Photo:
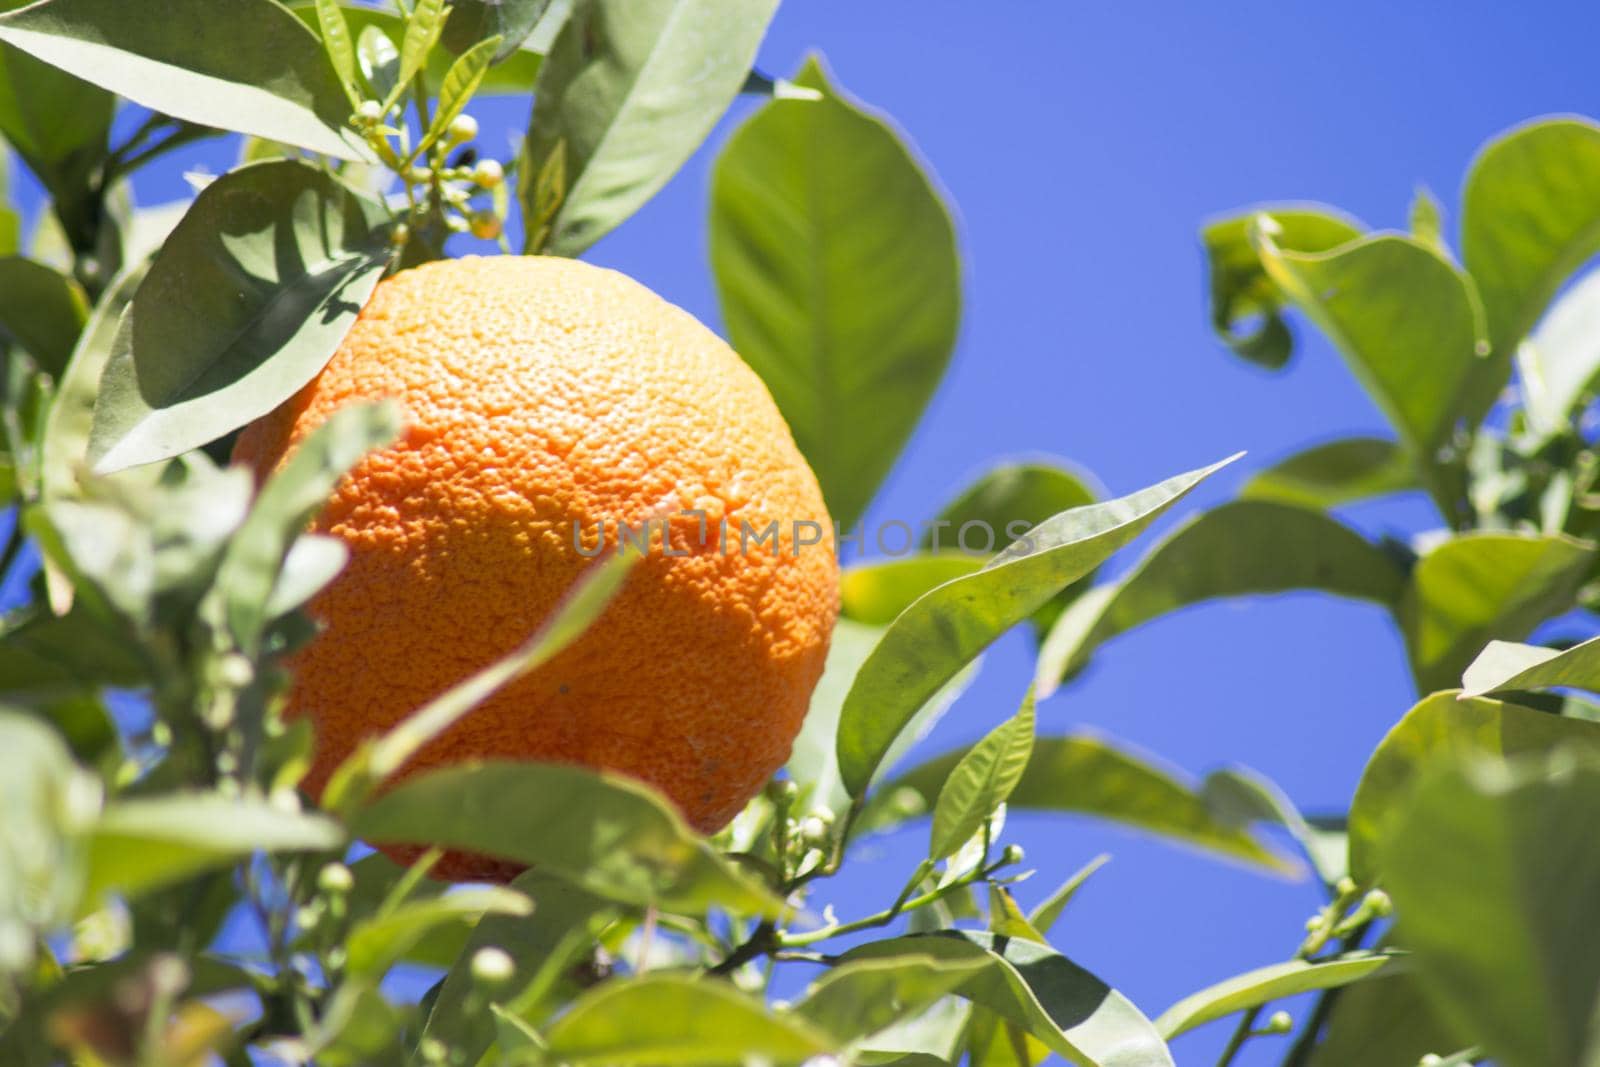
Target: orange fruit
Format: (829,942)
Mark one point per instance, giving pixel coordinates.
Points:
(540,393)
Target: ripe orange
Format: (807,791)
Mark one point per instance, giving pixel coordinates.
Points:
(540,392)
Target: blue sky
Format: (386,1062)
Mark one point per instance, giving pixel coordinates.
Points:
(1083,145)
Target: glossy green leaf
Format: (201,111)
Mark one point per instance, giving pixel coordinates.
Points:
(1265,984)
(460,82)
(1494,890)
(835,257)
(514,74)
(1005,502)
(1240,796)
(474,21)
(248,574)
(1480,587)
(629,90)
(813,762)
(245,303)
(1441,729)
(981,780)
(1246,306)
(281,86)
(1339,472)
(424,24)
(1405,318)
(1242,548)
(856,1000)
(878,590)
(1043,918)
(339,45)
(1055,1000)
(608,834)
(140,845)
(379,60)
(949,626)
(671,1019)
(1383,1022)
(40,309)
(1504,666)
(1530,217)
(1558,364)
(561,911)
(1088,775)
(376,944)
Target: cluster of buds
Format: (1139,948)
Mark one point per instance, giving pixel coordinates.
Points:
(448,189)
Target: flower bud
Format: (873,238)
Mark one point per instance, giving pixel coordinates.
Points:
(1280,1022)
(492,966)
(335,879)
(488,173)
(463,128)
(1377,904)
(1012,855)
(485,225)
(400,234)
(369,112)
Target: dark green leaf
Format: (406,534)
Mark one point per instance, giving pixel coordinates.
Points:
(1241,548)
(1481,587)
(1495,890)
(836,260)
(877,591)
(1503,667)
(1088,775)
(59,654)
(1443,729)
(139,845)
(629,90)
(608,834)
(666,1019)
(1339,472)
(1246,307)
(40,309)
(1265,984)
(1055,1000)
(244,304)
(948,627)
(474,21)
(859,999)
(981,781)
(281,86)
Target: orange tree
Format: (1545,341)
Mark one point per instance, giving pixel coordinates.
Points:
(139,342)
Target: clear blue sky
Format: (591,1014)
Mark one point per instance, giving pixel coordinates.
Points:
(1083,145)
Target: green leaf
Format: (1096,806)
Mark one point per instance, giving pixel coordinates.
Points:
(42,310)
(1240,796)
(381,757)
(376,944)
(949,626)
(1265,984)
(1384,1022)
(140,845)
(1530,216)
(1044,917)
(561,912)
(1086,774)
(244,65)
(859,999)
(1504,666)
(878,590)
(341,49)
(1008,497)
(460,83)
(423,27)
(1247,547)
(611,835)
(1339,472)
(982,779)
(515,74)
(52,655)
(1405,318)
(629,90)
(247,577)
(1495,893)
(813,762)
(379,60)
(835,257)
(1558,364)
(1427,220)
(1442,729)
(474,21)
(672,1019)
(244,304)
(1055,1000)
(1246,307)
(1479,587)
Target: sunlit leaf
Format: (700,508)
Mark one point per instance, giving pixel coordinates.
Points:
(1264,984)
(629,90)
(281,86)
(836,261)
(878,590)
(340,46)
(1558,364)
(856,1000)
(376,944)
(424,24)
(474,21)
(462,80)
(1504,666)
(981,780)
(1240,796)
(1044,917)
(950,625)
(1339,472)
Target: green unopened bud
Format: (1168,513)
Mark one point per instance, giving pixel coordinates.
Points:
(1377,904)
(782,791)
(463,128)
(1280,1022)
(492,966)
(308,917)
(813,831)
(369,112)
(488,173)
(432,1050)
(400,234)
(1431,1059)
(1012,855)
(235,671)
(335,879)
(1314,923)
(485,225)
(419,175)
(1345,887)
